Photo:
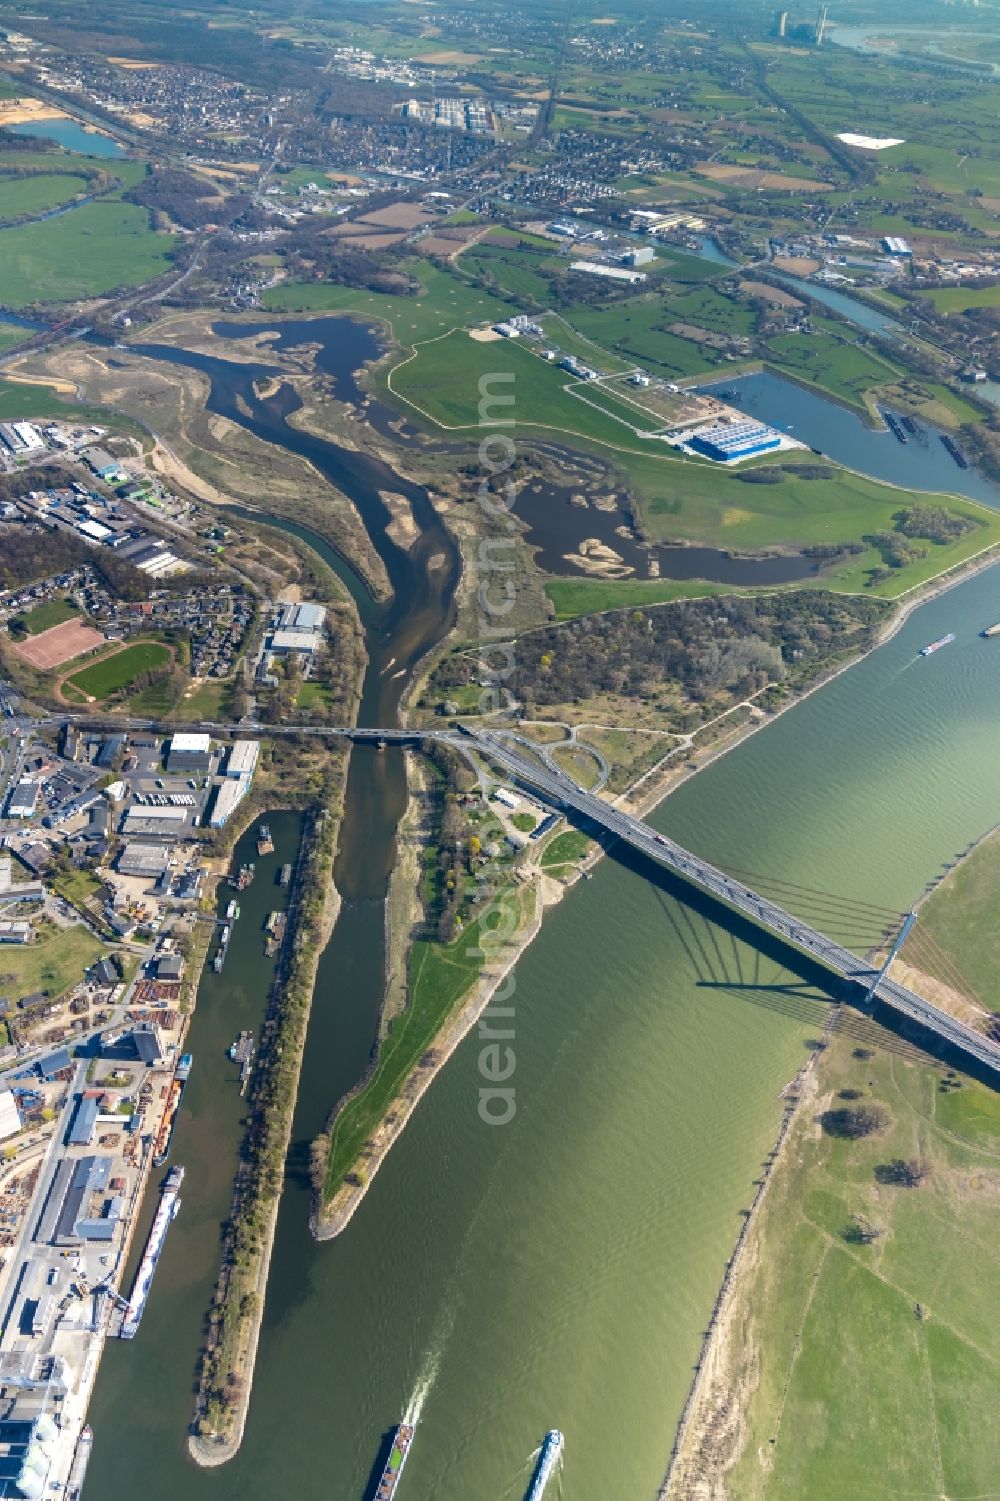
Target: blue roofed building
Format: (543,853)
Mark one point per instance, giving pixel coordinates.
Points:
(728,443)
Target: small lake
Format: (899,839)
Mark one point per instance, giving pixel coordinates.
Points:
(71,135)
(559,518)
(840,434)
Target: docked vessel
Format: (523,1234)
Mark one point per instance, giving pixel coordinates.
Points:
(244,876)
(549,1457)
(223,949)
(81,1459)
(928,651)
(161,1149)
(162,1220)
(265,844)
(285,875)
(274,930)
(956,453)
(232,911)
(896,427)
(241,1051)
(991,630)
(401,1441)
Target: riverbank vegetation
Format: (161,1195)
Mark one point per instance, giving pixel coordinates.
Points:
(672,666)
(468,904)
(859,1351)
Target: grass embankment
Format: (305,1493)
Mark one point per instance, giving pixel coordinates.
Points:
(21,196)
(111,673)
(862,1350)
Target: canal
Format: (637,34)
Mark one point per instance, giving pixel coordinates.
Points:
(557,1271)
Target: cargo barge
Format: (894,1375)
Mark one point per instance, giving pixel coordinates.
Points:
(222,950)
(81,1459)
(928,651)
(274,930)
(162,1220)
(991,630)
(284,875)
(956,453)
(401,1441)
(545,1468)
(896,427)
(265,844)
(164,1136)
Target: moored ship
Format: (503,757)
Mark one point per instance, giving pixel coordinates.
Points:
(164,1136)
(551,1451)
(274,930)
(162,1220)
(284,875)
(401,1441)
(928,651)
(81,1459)
(265,844)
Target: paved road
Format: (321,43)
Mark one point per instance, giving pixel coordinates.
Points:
(562,792)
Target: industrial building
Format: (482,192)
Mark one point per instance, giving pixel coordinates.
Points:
(306,616)
(736,440)
(242,760)
(614,273)
(641,256)
(23,799)
(84,1122)
(228,797)
(284,642)
(78,1190)
(189,751)
(15,932)
(27,1447)
(10,1117)
(137,859)
(166,822)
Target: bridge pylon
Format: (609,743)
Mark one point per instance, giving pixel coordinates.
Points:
(900,939)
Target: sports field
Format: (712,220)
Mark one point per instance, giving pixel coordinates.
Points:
(120,669)
(59,643)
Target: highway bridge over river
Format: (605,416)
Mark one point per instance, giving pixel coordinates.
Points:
(558,790)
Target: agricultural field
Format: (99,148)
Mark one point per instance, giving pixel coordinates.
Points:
(636,329)
(81,254)
(111,673)
(837,366)
(957,299)
(870,1324)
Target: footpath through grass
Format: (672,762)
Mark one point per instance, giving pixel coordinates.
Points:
(869,1330)
(440,975)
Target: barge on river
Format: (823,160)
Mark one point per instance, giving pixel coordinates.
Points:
(548,1459)
(162,1220)
(928,651)
(165,1135)
(401,1441)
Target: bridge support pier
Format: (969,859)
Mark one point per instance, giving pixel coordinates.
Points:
(901,938)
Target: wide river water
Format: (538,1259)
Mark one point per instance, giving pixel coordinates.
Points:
(557,1271)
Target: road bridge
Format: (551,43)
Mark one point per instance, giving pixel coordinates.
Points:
(559,791)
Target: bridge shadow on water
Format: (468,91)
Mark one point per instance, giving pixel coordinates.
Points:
(728,952)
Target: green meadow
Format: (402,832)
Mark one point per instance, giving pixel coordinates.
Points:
(81,254)
(875,1361)
(108,674)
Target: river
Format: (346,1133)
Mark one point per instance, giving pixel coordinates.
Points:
(557,1271)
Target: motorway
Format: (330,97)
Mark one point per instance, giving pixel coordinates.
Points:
(560,791)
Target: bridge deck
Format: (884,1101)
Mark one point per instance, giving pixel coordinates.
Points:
(561,791)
